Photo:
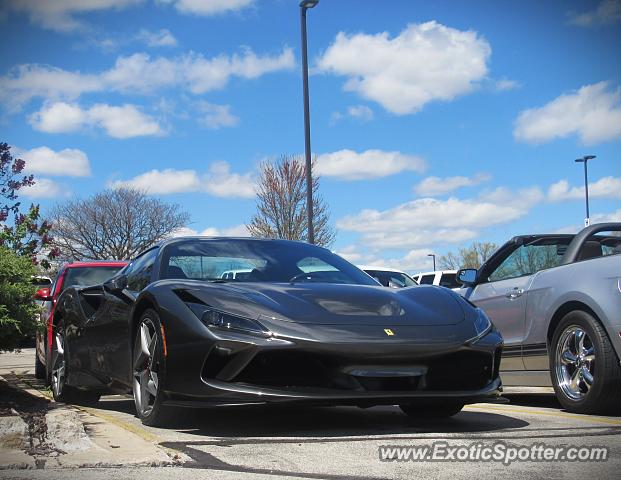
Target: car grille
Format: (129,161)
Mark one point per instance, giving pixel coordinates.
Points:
(462,370)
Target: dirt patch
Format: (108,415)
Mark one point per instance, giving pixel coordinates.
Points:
(32,410)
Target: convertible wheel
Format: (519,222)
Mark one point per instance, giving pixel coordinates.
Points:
(148,371)
(423,412)
(60,390)
(584,367)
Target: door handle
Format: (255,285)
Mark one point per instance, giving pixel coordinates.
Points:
(515,293)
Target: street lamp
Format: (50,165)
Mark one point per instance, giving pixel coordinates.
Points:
(584,160)
(434,260)
(305,5)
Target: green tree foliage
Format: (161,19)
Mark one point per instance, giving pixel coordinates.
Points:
(467,257)
(17,309)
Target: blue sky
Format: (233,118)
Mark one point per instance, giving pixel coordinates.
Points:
(435,123)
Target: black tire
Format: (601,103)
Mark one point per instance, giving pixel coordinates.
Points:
(60,390)
(149,399)
(431,412)
(40,373)
(604,394)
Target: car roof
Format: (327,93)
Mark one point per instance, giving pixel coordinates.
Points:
(170,241)
(434,272)
(97,263)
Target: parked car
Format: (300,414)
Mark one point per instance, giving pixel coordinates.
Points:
(241,274)
(169,329)
(556,299)
(76,273)
(389,277)
(442,278)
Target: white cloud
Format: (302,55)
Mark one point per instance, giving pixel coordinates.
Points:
(351,165)
(124,121)
(429,221)
(432,186)
(59,15)
(234,231)
(505,84)
(139,73)
(208,7)
(424,63)
(358,112)
(69,162)
(524,197)
(606,187)
(43,188)
(413,260)
(596,218)
(161,38)
(606,13)
(216,116)
(220,182)
(361,112)
(593,113)
(162,182)
(606,217)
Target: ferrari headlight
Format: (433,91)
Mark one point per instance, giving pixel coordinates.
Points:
(226,321)
(482,324)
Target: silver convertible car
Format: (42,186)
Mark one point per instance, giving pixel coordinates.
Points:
(556,300)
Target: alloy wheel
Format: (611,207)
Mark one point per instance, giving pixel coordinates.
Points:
(145,368)
(575,362)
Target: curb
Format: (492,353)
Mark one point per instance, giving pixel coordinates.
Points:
(77,437)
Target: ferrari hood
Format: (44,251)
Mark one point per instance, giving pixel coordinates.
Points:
(330,304)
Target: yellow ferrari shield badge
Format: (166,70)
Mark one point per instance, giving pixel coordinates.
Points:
(389,332)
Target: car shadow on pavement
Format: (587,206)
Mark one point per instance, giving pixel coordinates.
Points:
(307,421)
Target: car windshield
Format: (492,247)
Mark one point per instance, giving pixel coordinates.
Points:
(87,276)
(246,260)
(387,278)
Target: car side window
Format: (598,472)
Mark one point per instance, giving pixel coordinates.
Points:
(427,279)
(529,259)
(139,271)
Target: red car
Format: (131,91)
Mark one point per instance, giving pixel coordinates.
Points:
(76,273)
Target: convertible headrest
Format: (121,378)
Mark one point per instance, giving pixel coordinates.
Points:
(175,272)
(590,249)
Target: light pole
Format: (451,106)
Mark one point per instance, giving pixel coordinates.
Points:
(305,5)
(434,260)
(585,160)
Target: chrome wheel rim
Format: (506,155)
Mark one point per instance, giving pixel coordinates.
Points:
(575,363)
(58,363)
(145,368)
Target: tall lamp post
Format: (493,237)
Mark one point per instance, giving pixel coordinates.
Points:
(585,160)
(434,260)
(305,5)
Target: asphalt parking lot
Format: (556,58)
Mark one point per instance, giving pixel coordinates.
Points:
(329,443)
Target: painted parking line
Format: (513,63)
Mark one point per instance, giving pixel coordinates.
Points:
(532,411)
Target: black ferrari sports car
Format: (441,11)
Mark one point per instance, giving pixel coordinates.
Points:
(222,321)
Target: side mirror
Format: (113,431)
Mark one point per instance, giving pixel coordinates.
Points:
(116,284)
(467,276)
(393,284)
(43,295)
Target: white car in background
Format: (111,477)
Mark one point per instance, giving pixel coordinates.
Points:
(389,277)
(443,278)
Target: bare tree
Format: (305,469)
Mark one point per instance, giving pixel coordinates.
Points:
(113,224)
(468,257)
(281,204)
